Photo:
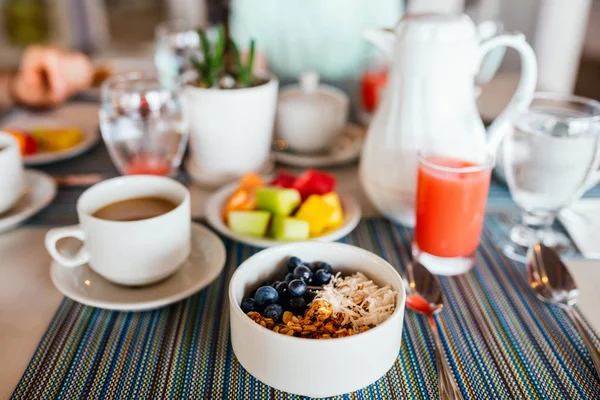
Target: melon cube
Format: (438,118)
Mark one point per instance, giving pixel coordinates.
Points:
(338,215)
(288,228)
(317,213)
(253,223)
(277,200)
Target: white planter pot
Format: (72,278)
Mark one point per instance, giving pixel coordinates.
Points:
(231,131)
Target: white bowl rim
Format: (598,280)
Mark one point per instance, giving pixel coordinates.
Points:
(400,295)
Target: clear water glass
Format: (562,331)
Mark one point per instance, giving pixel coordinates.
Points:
(550,158)
(142,125)
(176,42)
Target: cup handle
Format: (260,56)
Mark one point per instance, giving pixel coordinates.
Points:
(54,235)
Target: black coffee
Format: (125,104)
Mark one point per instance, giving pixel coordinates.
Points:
(135,209)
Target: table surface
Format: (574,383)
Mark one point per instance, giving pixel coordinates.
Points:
(28,300)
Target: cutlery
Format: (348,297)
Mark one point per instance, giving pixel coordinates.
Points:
(78,180)
(552,283)
(424,296)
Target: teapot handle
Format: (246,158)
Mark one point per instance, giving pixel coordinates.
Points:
(524,93)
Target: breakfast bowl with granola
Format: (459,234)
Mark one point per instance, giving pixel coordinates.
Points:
(316,319)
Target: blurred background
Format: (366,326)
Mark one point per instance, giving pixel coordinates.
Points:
(296,34)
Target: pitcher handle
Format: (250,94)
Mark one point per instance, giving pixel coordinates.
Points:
(524,93)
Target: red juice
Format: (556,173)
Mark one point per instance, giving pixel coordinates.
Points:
(450,207)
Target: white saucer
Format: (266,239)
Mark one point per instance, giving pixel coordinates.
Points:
(196,176)
(85,286)
(214,206)
(344,151)
(41,190)
(77,114)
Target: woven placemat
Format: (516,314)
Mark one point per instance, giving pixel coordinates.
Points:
(502,342)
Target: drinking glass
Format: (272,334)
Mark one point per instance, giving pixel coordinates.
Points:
(450,209)
(176,42)
(142,125)
(550,159)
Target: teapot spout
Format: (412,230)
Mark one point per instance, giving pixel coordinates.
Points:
(382,39)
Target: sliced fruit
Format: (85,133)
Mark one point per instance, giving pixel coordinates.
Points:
(317,213)
(283,179)
(337,218)
(27,143)
(253,223)
(243,198)
(314,182)
(277,200)
(57,139)
(288,228)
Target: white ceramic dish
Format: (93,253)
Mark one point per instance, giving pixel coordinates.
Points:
(312,367)
(346,149)
(41,190)
(214,209)
(77,114)
(82,284)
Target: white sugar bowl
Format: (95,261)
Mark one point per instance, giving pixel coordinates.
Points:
(315,367)
(311,116)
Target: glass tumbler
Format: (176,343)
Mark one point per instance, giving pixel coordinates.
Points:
(176,42)
(142,125)
(550,159)
(450,210)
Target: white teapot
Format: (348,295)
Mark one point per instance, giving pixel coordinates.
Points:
(430,99)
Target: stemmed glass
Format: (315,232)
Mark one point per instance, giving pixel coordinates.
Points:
(142,125)
(550,159)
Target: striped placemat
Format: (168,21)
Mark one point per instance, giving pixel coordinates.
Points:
(502,342)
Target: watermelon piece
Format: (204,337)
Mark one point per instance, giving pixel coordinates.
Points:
(314,182)
(287,228)
(283,179)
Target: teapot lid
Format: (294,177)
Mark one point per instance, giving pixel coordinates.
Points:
(445,28)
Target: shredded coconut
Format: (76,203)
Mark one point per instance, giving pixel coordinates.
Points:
(360,301)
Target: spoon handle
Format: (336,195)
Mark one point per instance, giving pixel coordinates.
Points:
(587,339)
(447,385)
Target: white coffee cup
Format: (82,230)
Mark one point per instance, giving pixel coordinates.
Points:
(129,252)
(12,179)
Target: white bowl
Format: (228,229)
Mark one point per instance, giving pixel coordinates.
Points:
(313,367)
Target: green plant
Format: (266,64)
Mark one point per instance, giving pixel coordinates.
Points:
(213,66)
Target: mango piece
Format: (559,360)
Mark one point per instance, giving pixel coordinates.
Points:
(317,213)
(337,218)
(288,228)
(277,200)
(57,139)
(252,223)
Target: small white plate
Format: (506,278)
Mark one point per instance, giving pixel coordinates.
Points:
(344,151)
(82,284)
(214,208)
(76,114)
(41,190)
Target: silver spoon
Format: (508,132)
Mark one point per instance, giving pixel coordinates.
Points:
(551,281)
(424,295)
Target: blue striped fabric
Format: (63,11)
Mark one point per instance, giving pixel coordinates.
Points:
(501,341)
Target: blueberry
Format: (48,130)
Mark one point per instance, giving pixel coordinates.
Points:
(310,281)
(274,284)
(297,288)
(310,295)
(282,290)
(302,272)
(310,266)
(322,277)
(266,295)
(323,265)
(273,311)
(297,305)
(289,277)
(248,304)
(292,263)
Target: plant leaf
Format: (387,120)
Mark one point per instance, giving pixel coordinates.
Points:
(207,57)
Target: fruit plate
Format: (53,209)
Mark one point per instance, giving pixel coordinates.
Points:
(77,114)
(215,203)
